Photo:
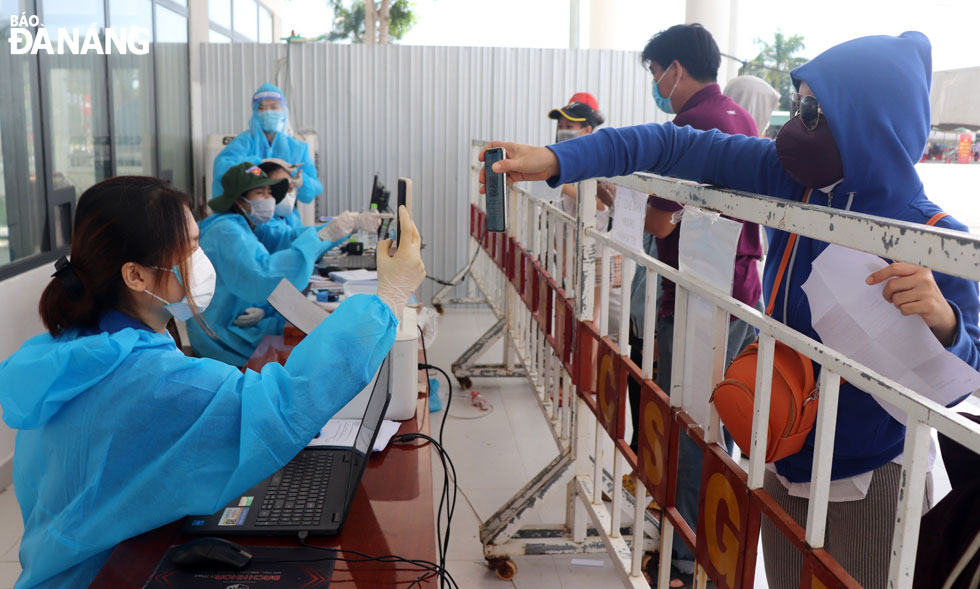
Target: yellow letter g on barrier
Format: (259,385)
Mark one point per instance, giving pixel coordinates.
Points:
(722,532)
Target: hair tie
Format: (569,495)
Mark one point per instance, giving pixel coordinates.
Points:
(66,274)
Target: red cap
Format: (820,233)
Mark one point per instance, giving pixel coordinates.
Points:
(585,98)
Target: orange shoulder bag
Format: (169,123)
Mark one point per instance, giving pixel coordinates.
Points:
(793,408)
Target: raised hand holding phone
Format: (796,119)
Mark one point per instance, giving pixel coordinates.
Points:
(404,200)
(496,189)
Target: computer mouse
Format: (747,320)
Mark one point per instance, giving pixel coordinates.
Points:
(210,554)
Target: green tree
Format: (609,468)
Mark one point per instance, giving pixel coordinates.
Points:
(774,62)
(349,20)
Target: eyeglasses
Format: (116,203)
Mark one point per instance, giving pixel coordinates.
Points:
(808,109)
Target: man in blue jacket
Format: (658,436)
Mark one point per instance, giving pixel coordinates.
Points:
(860,124)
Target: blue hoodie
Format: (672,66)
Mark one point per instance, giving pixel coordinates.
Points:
(253,146)
(874,93)
(121,433)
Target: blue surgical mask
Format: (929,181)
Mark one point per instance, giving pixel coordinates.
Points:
(261,211)
(201,286)
(663,102)
(272,121)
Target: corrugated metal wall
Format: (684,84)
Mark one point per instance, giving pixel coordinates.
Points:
(413,111)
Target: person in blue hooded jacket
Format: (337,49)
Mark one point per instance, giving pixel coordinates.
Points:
(119,431)
(268,136)
(860,123)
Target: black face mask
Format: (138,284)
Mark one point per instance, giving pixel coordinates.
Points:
(810,157)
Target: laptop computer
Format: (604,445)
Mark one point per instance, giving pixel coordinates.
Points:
(312,493)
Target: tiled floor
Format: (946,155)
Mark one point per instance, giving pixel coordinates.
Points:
(494,456)
(10,532)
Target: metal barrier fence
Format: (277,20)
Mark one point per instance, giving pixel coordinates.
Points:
(539,279)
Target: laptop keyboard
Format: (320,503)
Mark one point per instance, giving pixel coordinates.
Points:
(296,493)
(366,261)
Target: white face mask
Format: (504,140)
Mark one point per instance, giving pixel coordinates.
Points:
(261,210)
(285,207)
(201,286)
(566,134)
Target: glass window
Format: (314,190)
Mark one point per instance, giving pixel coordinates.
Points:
(246,19)
(131,79)
(77,108)
(219,12)
(23,212)
(216,37)
(173,98)
(265,25)
(171,27)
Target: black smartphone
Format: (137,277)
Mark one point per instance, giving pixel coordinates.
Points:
(404,200)
(496,191)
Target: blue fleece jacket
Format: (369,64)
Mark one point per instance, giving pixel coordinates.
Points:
(874,93)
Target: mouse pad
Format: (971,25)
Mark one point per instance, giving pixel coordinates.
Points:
(271,566)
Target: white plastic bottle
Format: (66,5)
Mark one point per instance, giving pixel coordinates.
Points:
(371,237)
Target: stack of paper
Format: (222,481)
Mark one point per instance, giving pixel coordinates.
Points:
(342,433)
(360,275)
(357,281)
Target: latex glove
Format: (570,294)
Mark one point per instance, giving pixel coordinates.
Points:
(401,274)
(297,180)
(370,222)
(341,226)
(249,317)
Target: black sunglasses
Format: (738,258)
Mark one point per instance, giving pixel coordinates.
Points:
(808,109)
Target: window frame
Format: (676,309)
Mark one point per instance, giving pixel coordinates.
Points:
(40,70)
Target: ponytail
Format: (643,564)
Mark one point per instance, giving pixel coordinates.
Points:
(65,302)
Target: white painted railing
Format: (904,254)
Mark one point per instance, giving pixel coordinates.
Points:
(565,249)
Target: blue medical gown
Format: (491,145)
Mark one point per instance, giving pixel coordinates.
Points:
(247,275)
(121,433)
(279,232)
(252,146)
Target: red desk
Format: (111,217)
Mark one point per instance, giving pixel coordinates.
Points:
(392,513)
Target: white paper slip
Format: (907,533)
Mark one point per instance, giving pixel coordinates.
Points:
(856,320)
(359,275)
(628,219)
(343,432)
(303,313)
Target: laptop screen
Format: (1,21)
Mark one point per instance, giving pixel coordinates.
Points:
(374,412)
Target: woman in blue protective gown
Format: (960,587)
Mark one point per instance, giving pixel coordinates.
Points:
(239,317)
(120,432)
(268,137)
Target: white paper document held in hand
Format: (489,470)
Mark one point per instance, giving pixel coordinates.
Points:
(854,319)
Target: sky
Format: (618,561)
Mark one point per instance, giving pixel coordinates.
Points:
(545,23)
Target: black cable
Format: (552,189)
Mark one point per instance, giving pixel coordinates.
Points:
(430,566)
(449,398)
(444,498)
(445,282)
(461,278)
(443,543)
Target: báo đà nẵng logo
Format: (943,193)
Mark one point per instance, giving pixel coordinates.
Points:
(75,41)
